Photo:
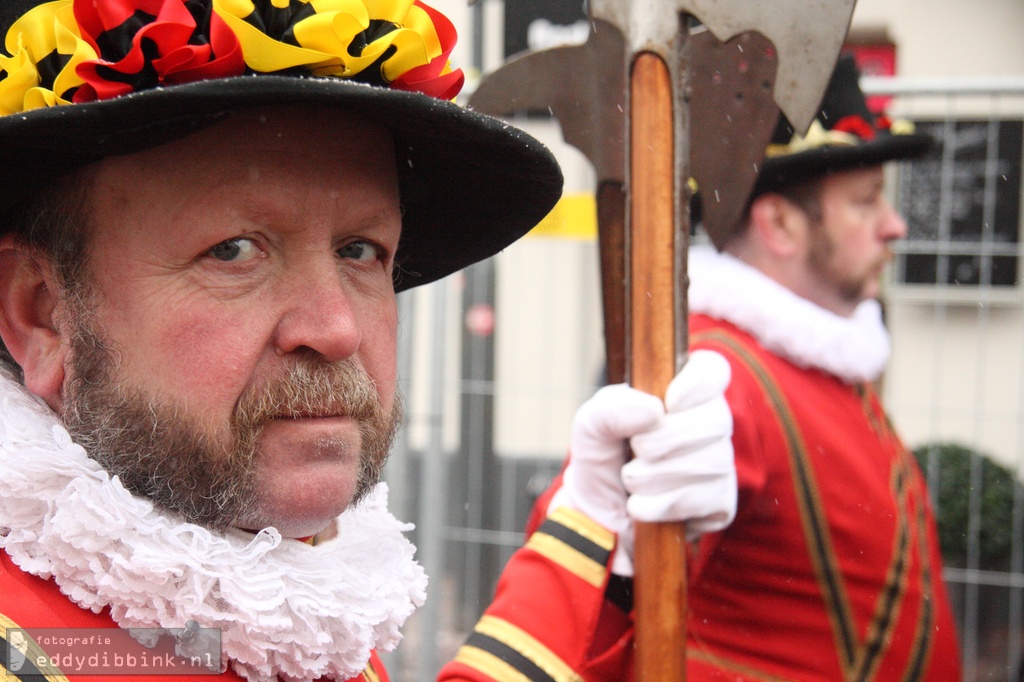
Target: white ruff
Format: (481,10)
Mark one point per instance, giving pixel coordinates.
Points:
(285,608)
(854,348)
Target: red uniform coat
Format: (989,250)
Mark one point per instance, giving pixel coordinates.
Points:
(831,569)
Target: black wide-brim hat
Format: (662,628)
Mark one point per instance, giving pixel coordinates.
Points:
(470,184)
(844,135)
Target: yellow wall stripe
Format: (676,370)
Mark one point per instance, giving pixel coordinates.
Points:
(573,217)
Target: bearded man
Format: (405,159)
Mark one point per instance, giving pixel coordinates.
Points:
(207,208)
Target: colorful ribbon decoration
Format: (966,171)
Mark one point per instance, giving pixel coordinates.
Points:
(848,131)
(73,51)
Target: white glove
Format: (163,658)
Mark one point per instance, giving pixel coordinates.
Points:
(683,469)
(592,482)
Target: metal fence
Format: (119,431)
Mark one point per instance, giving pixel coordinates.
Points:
(466,471)
(956,381)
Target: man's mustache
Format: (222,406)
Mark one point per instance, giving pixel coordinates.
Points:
(309,389)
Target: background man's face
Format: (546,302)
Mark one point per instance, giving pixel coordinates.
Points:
(223,263)
(848,251)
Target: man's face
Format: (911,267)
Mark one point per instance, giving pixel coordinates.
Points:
(849,249)
(235,351)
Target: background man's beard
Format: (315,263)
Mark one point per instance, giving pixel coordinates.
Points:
(161,452)
(851,287)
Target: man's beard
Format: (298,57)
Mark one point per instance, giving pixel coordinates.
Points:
(160,451)
(851,287)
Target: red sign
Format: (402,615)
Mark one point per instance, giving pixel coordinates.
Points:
(875,60)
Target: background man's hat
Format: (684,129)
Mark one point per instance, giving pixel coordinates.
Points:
(844,135)
(81,80)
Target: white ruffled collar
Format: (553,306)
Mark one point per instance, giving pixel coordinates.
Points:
(286,609)
(855,348)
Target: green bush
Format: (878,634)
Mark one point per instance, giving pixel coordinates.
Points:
(952,494)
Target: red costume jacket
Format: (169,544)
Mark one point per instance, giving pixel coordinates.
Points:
(27,601)
(830,571)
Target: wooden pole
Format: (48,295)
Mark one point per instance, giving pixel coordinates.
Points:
(660,550)
(611,231)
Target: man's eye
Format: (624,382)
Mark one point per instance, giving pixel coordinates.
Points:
(361,251)
(237,249)
(872,197)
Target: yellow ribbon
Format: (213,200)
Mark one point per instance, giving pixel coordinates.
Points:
(324,38)
(47,28)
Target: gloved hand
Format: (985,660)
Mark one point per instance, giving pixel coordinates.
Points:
(683,467)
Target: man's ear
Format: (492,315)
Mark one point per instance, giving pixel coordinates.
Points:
(28,301)
(779,224)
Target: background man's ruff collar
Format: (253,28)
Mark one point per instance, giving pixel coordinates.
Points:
(855,348)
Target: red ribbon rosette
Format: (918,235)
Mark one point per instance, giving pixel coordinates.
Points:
(148,43)
(435,79)
(855,125)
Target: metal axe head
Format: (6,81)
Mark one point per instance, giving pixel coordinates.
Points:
(807,34)
(583,86)
(732,115)
(748,61)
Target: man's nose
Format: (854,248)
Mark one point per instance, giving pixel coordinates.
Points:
(318,315)
(893,225)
